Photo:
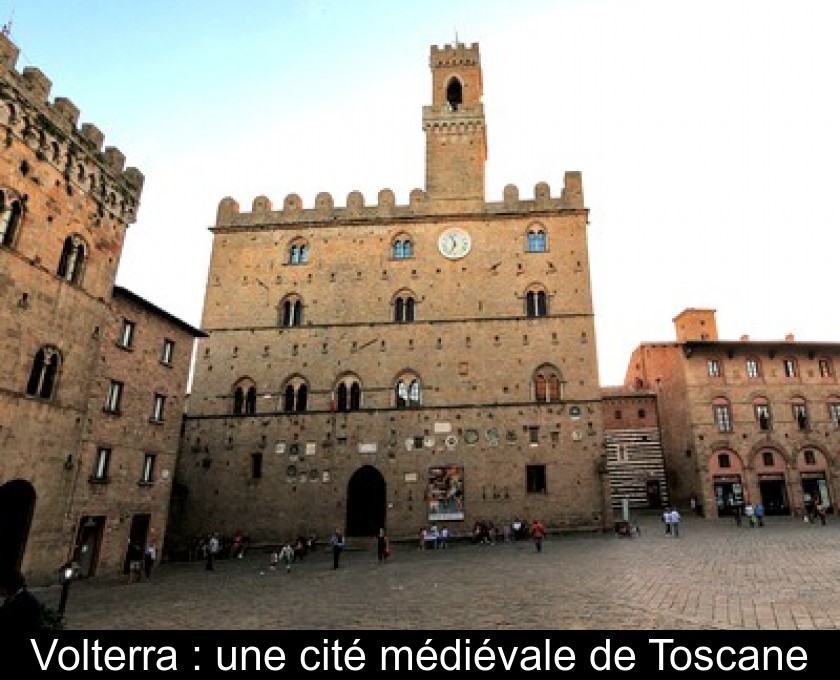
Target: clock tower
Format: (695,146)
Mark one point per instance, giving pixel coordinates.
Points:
(456,138)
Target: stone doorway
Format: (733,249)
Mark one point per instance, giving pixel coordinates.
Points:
(17,503)
(365,502)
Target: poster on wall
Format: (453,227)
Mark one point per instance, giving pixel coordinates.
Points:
(446,493)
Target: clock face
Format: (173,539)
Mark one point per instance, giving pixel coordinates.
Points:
(454,243)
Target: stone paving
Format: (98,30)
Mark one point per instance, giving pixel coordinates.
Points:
(785,575)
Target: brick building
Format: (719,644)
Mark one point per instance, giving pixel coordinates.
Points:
(744,420)
(633,448)
(399,365)
(65,205)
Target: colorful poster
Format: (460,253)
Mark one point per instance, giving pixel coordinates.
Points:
(446,493)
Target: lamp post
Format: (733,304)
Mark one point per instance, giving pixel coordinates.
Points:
(66,574)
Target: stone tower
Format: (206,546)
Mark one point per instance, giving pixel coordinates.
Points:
(456,139)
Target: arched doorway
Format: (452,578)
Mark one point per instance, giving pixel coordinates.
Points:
(17,503)
(365,502)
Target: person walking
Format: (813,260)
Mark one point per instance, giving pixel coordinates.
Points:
(212,550)
(135,560)
(749,511)
(538,534)
(759,513)
(383,549)
(337,542)
(666,520)
(675,522)
(287,555)
(149,557)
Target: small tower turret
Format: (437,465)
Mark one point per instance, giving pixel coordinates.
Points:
(456,138)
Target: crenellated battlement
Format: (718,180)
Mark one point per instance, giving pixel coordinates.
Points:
(51,130)
(457,54)
(324,210)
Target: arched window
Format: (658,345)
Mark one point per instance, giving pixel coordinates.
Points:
(11,210)
(291,312)
(348,395)
(407,392)
(245,397)
(295,396)
(251,400)
(536,303)
(72,259)
(404,308)
(402,248)
(548,384)
(536,239)
(299,253)
(42,377)
(454,94)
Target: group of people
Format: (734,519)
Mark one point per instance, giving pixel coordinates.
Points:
(141,559)
(671,518)
(753,513)
(289,552)
(433,538)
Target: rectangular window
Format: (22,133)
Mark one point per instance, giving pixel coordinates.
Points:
(256,465)
(762,415)
(112,401)
(800,416)
(535,478)
(418,442)
(713,366)
(100,467)
(825,368)
(642,413)
(622,454)
(168,350)
(157,408)
(810,458)
(618,415)
(752,368)
(723,460)
(148,469)
(767,456)
(534,435)
(126,334)
(790,368)
(723,418)
(834,412)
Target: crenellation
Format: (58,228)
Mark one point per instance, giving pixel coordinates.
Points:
(36,83)
(50,131)
(511,196)
(572,194)
(458,54)
(114,158)
(325,211)
(542,193)
(292,203)
(67,111)
(386,201)
(92,133)
(355,203)
(324,204)
(226,211)
(261,204)
(8,54)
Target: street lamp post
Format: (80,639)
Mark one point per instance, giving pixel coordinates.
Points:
(66,574)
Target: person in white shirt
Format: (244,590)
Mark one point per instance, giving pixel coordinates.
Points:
(675,522)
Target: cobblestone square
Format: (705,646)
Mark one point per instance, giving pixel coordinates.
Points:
(785,575)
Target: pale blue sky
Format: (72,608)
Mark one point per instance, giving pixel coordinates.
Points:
(707,133)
